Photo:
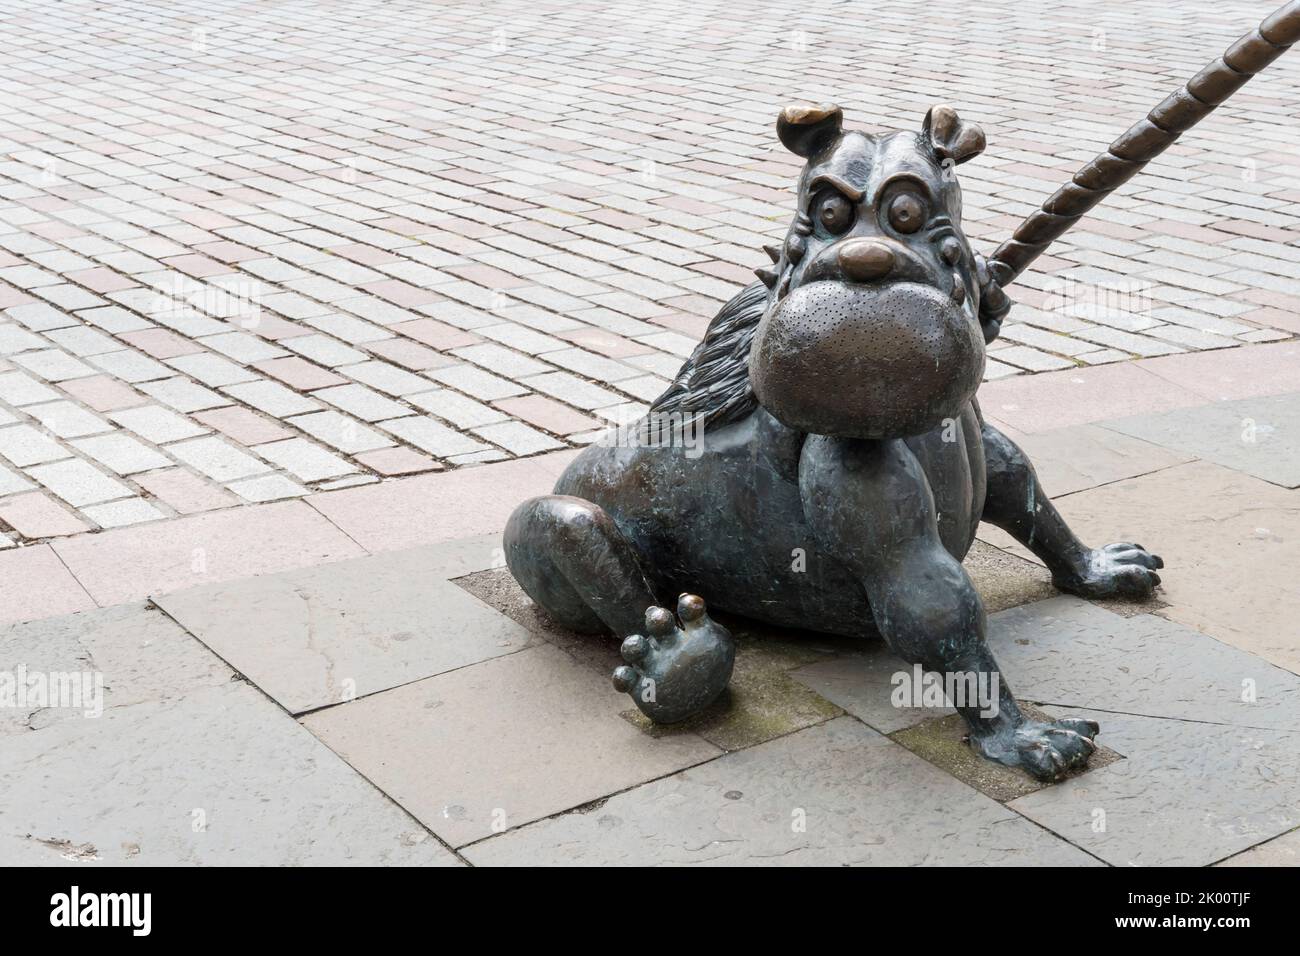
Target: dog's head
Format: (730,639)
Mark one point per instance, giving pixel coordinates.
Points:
(872,328)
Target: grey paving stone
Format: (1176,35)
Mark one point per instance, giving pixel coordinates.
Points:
(19,389)
(272,398)
(156,424)
(432,436)
(267,488)
(183,395)
(140,654)
(121,453)
(834,795)
(501,743)
(67,420)
(221,776)
(1258,436)
(338,430)
(78,482)
(308,462)
(216,459)
(1189,794)
(328,634)
(24,445)
(366,404)
(118,514)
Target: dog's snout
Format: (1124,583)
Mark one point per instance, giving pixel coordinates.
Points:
(863,260)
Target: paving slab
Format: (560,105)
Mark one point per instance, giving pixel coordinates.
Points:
(1069,653)
(38,584)
(221,776)
(429,508)
(1226,375)
(133,652)
(332,633)
(128,564)
(1258,436)
(1281,851)
(1230,542)
(833,795)
(1079,396)
(1087,456)
(500,743)
(1189,793)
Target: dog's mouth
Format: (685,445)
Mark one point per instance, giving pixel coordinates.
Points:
(866,361)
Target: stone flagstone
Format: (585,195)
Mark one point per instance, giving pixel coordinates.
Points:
(221,776)
(1189,793)
(339,631)
(501,743)
(139,653)
(834,795)
(1258,436)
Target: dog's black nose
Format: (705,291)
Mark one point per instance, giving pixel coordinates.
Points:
(862,260)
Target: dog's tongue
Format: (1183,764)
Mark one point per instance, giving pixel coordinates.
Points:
(859,362)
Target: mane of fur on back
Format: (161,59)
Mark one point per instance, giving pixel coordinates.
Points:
(712,388)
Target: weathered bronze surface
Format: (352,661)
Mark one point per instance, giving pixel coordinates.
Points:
(820,460)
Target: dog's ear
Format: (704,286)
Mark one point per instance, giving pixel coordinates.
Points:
(806,129)
(950,136)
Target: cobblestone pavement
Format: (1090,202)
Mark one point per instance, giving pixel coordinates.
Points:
(252,250)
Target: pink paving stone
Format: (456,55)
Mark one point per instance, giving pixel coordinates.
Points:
(410,354)
(160,343)
(548,414)
(1034,403)
(198,266)
(102,393)
(1273,318)
(692,326)
(10,297)
(435,333)
(127,564)
(366,255)
(398,461)
(439,507)
(270,326)
(229,251)
(37,585)
(34,515)
(185,493)
(244,426)
(606,343)
(400,293)
(102,280)
(299,373)
(1245,372)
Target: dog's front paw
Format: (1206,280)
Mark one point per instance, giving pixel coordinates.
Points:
(1117,570)
(1047,751)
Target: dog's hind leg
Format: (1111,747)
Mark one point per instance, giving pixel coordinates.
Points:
(571,558)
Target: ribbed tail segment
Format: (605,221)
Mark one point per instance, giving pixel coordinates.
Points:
(1179,112)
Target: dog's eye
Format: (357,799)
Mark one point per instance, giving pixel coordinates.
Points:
(906,212)
(834,212)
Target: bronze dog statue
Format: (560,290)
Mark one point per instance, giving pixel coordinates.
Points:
(843,464)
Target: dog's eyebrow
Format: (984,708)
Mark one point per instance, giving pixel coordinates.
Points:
(830,179)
